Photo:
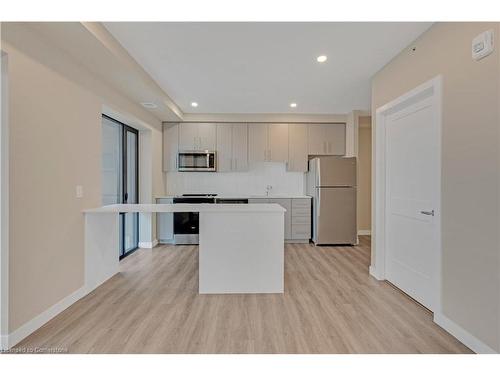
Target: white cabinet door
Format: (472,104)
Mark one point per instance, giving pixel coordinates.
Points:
(240,147)
(335,139)
(224,147)
(207,136)
(188,137)
(278,142)
(316,139)
(170,147)
(297,148)
(257,142)
(165,223)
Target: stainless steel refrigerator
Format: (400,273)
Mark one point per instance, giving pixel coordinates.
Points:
(331,181)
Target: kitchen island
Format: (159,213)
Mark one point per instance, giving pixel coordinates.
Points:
(241,247)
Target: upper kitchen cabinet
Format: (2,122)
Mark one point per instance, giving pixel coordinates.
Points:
(297,148)
(240,147)
(257,142)
(335,138)
(326,139)
(232,147)
(268,142)
(197,136)
(170,147)
(278,142)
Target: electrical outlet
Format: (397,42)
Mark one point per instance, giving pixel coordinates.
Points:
(79,191)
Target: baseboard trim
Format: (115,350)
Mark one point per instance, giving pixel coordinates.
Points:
(364,232)
(462,335)
(4,342)
(373,272)
(28,328)
(148,245)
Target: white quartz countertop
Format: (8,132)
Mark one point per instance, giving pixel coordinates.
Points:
(187,207)
(243,196)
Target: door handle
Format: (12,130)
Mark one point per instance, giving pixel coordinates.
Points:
(126,198)
(428,213)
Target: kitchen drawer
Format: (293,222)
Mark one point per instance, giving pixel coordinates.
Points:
(301,220)
(301,211)
(301,203)
(301,231)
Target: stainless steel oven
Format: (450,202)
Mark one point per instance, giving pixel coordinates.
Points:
(187,224)
(197,161)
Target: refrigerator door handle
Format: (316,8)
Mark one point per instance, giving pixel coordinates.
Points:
(318,172)
(319,203)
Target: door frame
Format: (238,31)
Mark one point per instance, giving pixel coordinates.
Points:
(431,89)
(4,204)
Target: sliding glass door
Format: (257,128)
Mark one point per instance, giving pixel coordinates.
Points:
(130,182)
(120,177)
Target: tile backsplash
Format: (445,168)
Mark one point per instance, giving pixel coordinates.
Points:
(253,182)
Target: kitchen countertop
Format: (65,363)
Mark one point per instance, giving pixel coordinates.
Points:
(187,207)
(243,196)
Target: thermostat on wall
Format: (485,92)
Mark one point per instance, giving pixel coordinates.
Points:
(482,45)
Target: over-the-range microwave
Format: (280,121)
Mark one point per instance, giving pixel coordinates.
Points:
(197,161)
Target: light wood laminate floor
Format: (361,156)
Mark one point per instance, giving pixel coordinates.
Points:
(330,305)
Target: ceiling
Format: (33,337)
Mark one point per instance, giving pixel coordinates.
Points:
(263,67)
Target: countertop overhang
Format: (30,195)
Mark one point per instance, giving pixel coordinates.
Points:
(187,207)
(243,196)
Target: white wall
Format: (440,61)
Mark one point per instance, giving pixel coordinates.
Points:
(470,167)
(55,108)
(253,182)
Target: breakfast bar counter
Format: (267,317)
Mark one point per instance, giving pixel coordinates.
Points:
(241,247)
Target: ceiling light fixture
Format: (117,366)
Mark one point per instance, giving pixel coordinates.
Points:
(194,104)
(293,105)
(149,105)
(321,59)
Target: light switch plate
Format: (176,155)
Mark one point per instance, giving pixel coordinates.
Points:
(482,45)
(79,191)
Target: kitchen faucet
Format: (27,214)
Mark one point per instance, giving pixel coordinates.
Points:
(268,189)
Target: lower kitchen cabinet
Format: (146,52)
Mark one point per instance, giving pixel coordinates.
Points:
(287,205)
(165,223)
(297,216)
(301,219)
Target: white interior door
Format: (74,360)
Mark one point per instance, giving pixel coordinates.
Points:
(412,201)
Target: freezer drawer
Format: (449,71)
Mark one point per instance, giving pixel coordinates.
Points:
(336,216)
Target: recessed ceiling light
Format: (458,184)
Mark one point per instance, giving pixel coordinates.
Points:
(293,105)
(149,105)
(194,104)
(321,58)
